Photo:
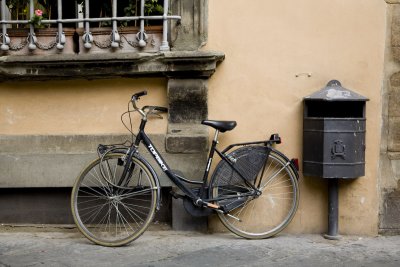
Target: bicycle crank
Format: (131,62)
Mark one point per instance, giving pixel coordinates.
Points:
(195,210)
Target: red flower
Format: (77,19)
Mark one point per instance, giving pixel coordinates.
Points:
(38,12)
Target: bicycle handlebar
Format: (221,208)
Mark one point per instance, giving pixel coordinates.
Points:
(138,95)
(142,112)
(156,108)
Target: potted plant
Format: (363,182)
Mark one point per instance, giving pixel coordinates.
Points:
(127,30)
(45,38)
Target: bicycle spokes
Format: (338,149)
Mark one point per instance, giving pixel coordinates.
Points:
(261,213)
(113,215)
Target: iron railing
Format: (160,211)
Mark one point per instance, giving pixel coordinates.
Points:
(87,36)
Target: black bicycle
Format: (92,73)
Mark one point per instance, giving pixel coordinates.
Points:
(253,189)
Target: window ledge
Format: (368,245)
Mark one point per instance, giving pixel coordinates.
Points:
(201,64)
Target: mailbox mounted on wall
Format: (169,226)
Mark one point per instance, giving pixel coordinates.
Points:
(334,133)
(334,126)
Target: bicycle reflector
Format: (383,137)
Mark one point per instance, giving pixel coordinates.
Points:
(295,163)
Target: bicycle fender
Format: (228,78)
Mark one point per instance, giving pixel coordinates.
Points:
(145,162)
(291,165)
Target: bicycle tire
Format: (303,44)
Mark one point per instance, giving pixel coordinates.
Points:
(109,215)
(263,216)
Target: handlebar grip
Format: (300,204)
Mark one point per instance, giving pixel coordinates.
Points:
(156,108)
(138,95)
(161,109)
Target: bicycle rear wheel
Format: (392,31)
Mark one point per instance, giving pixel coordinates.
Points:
(256,217)
(112,214)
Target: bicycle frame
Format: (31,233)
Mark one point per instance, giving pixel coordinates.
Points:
(114,199)
(180,181)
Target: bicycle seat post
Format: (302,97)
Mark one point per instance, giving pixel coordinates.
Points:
(216,136)
(209,161)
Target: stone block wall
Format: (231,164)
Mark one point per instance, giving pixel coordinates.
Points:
(389,182)
(53,160)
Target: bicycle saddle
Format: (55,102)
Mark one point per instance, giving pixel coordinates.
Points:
(222,126)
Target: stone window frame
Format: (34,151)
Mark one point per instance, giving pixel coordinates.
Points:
(184,59)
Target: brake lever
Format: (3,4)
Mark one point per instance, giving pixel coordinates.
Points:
(157,115)
(151,112)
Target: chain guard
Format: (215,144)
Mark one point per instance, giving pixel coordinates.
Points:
(194,210)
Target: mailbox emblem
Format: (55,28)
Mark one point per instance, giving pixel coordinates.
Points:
(338,149)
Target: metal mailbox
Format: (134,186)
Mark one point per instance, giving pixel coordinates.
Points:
(334,141)
(334,133)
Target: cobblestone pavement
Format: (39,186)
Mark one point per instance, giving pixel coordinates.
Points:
(66,247)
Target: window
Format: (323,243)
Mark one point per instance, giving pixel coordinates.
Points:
(28,18)
(112,38)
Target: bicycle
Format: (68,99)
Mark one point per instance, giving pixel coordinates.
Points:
(253,189)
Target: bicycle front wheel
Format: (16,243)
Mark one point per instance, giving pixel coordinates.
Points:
(111,212)
(263,216)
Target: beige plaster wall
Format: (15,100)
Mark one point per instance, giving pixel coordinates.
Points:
(270,48)
(75,107)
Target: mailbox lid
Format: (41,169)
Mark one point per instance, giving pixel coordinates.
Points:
(334,101)
(334,91)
